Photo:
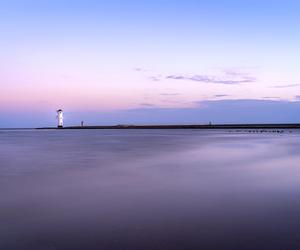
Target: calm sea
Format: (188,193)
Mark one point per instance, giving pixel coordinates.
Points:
(149,189)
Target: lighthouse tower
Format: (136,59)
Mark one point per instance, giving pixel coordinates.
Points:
(60,118)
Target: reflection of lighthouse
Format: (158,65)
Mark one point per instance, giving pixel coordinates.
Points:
(60,118)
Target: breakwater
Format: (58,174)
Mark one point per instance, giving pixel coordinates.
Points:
(186,126)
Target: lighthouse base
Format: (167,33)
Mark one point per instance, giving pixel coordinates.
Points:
(59,126)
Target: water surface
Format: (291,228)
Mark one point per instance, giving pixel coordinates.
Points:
(149,189)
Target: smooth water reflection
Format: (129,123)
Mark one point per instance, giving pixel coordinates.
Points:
(149,189)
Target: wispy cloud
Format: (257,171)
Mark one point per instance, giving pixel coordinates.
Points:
(286,86)
(144,104)
(228,79)
(220,95)
(155,78)
(271,97)
(169,94)
(138,69)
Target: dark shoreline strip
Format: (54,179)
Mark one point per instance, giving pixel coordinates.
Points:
(214,126)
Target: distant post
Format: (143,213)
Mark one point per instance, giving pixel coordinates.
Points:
(82,123)
(60,118)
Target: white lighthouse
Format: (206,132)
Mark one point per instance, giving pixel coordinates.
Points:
(60,118)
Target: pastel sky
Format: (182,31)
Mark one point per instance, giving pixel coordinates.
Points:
(158,61)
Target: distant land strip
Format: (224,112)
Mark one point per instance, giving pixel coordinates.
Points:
(206,126)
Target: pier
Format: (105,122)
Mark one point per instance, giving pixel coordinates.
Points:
(188,126)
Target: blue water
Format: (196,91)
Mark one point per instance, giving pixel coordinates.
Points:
(149,189)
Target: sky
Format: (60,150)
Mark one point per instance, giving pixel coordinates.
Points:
(149,62)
